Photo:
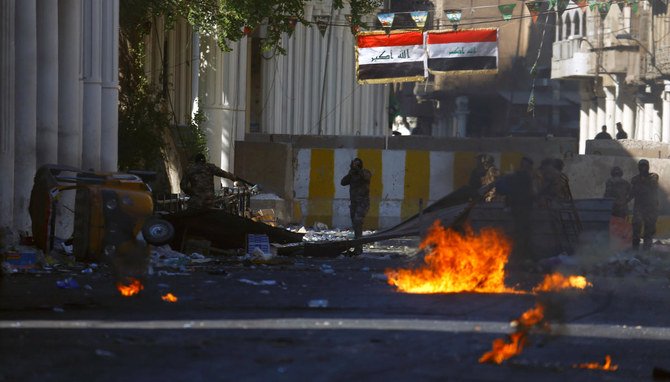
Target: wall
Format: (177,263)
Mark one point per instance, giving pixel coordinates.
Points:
(409,170)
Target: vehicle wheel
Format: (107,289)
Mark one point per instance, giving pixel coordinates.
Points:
(157,231)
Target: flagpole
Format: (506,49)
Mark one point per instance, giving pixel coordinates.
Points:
(325,70)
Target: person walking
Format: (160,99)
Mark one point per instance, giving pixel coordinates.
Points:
(358,180)
(603,134)
(620,133)
(644,192)
(198,183)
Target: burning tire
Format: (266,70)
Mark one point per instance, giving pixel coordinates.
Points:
(158,231)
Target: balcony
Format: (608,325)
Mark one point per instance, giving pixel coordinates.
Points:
(572,59)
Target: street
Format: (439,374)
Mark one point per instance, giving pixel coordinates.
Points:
(239,321)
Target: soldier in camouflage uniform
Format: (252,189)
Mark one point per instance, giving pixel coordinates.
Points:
(644,190)
(618,188)
(484,173)
(198,183)
(358,180)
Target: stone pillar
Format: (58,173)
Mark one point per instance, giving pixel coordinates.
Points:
(610,109)
(649,121)
(656,123)
(195,71)
(593,118)
(69,84)
(25,138)
(619,99)
(109,145)
(461,116)
(665,98)
(584,124)
(92,113)
(47,78)
(7,72)
(628,119)
(601,116)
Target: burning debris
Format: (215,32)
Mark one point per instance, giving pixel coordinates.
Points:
(169,297)
(502,350)
(531,319)
(457,262)
(607,366)
(130,287)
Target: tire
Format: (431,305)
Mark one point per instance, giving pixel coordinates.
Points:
(157,231)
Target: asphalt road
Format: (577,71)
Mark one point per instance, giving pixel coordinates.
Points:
(226,328)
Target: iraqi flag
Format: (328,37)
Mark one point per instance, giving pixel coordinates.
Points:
(462,50)
(396,57)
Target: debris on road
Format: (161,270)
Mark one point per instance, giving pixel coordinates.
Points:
(262,282)
(320,303)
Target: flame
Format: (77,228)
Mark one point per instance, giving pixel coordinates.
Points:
(534,317)
(608,366)
(169,297)
(557,281)
(502,350)
(458,263)
(133,287)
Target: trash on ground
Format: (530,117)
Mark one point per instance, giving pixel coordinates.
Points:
(262,282)
(320,303)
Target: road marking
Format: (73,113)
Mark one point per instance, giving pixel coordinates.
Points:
(486,327)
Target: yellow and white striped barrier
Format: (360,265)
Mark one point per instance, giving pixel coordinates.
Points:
(400,180)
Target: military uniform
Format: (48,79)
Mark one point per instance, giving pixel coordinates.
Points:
(198,183)
(619,189)
(644,191)
(358,181)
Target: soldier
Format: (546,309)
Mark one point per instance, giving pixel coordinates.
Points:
(198,183)
(619,189)
(644,190)
(358,180)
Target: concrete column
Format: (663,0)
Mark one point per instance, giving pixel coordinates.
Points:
(619,100)
(610,109)
(7,112)
(665,97)
(109,144)
(649,121)
(47,78)
(602,114)
(656,124)
(92,113)
(195,71)
(584,124)
(639,119)
(25,138)
(628,119)
(70,88)
(593,119)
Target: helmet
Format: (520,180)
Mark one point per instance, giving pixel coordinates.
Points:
(616,171)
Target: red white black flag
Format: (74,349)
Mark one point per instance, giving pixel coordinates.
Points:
(396,57)
(462,50)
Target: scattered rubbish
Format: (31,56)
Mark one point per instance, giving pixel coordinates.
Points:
(21,259)
(104,353)
(68,283)
(302,230)
(58,309)
(87,270)
(264,291)
(262,282)
(365,269)
(318,226)
(166,273)
(164,256)
(318,303)
(258,242)
(88,287)
(325,268)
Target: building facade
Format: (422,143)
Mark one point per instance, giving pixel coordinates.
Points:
(620,57)
(59,93)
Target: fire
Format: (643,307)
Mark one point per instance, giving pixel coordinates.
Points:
(133,287)
(169,297)
(608,366)
(458,263)
(502,350)
(531,319)
(557,281)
